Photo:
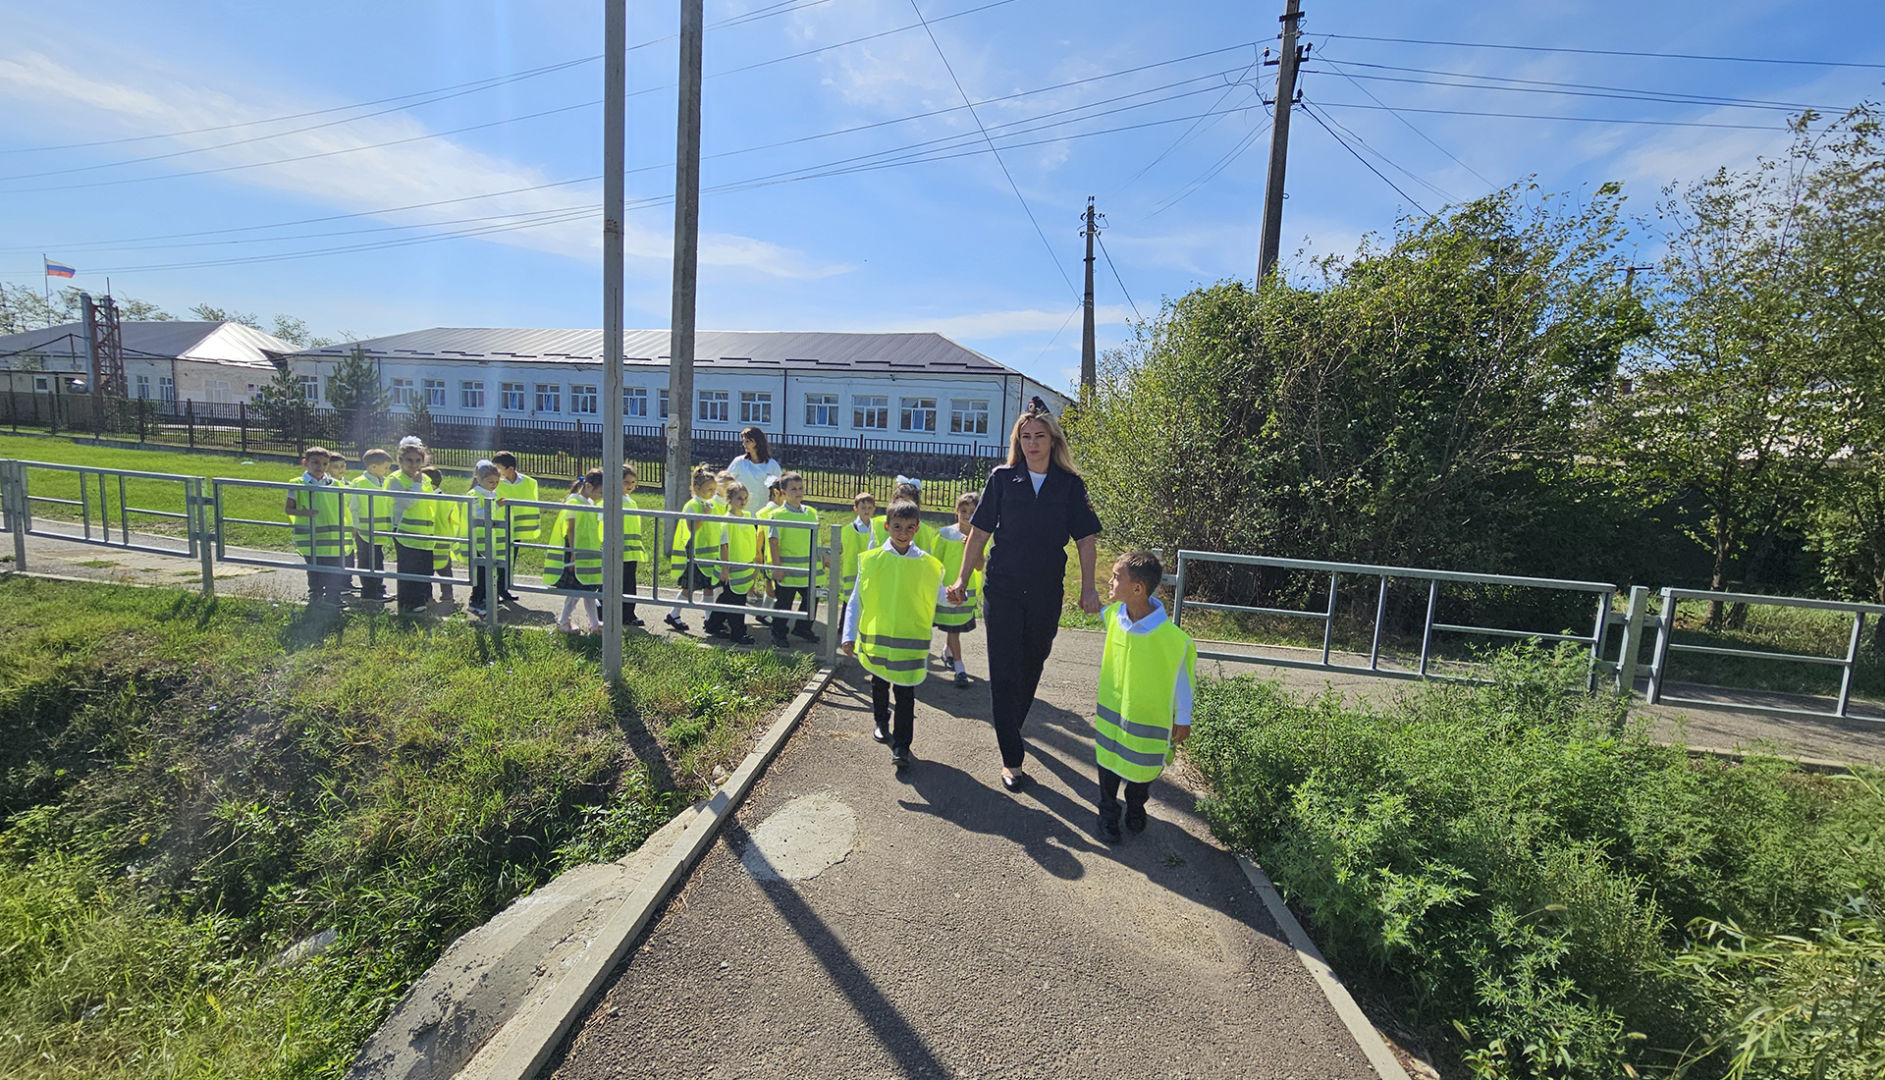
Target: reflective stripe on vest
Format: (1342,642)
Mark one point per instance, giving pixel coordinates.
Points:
(634,533)
(795,545)
(951,553)
(896,604)
(742,547)
(526,521)
(1132,727)
(324,535)
(852,544)
(412,517)
(696,540)
(371,512)
(488,527)
(584,552)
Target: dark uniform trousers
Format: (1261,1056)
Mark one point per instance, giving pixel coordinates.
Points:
(902,726)
(413,595)
(1021,622)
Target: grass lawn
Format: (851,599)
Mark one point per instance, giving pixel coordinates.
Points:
(191,787)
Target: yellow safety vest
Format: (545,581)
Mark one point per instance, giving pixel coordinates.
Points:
(448,523)
(413,523)
(696,539)
(489,525)
(896,599)
(742,539)
(526,521)
(324,534)
(852,544)
(370,513)
(795,546)
(880,531)
(575,540)
(951,553)
(635,541)
(1132,729)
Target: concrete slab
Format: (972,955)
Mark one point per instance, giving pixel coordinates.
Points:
(801,839)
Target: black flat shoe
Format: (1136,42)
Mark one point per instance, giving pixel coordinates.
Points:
(1016,782)
(900,758)
(880,734)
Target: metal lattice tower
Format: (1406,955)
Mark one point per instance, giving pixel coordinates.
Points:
(108,346)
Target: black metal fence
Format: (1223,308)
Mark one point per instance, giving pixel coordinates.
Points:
(835,468)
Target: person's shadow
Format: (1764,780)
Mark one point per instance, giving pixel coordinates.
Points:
(954,796)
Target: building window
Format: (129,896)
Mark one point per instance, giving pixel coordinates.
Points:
(167,389)
(664,403)
(435,393)
(713,406)
(917,414)
(511,396)
(219,391)
(821,410)
(42,384)
(549,397)
(968,416)
(755,407)
(143,387)
(471,394)
(582,398)
(870,412)
(310,388)
(635,401)
(404,396)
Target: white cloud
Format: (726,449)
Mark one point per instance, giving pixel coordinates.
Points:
(357,174)
(983,325)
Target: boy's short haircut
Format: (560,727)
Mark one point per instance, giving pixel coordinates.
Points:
(863,497)
(724,474)
(593,478)
(787,478)
(376,456)
(1142,568)
(736,488)
(628,471)
(504,459)
(335,455)
(968,498)
(703,476)
(432,473)
(903,510)
(316,452)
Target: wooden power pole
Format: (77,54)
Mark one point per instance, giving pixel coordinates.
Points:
(1286,63)
(686,262)
(1089,362)
(614,178)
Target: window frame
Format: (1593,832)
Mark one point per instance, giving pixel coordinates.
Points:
(862,405)
(907,407)
(404,396)
(968,407)
(547,392)
(756,407)
(505,393)
(721,398)
(466,389)
(827,404)
(427,387)
(584,394)
(635,402)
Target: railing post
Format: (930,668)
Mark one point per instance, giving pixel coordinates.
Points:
(242,419)
(1597,639)
(1426,626)
(1178,592)
(18,519)
(1852,658)
(1665,628)
(1328,624)
(1380,612)
(202,528)
(189,419)
(1635,618)
(834,604)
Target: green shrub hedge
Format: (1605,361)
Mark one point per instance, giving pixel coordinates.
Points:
(1555,893)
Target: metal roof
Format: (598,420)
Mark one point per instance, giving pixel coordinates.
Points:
(213,342)
(760,349)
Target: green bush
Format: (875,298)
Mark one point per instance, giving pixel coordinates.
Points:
(1526,865)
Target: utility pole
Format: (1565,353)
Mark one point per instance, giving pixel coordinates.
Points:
(1089,365)
(614,177)
(1286,62)
(686,261)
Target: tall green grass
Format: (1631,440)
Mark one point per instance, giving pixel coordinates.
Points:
(1541,885)
(190,788)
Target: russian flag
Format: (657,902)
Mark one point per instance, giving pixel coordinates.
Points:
(54,269)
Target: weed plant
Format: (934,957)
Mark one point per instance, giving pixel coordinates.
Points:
(1554,894)
(232,837)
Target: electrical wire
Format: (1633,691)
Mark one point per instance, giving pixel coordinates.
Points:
(1161,156)
(1237,150)
(1566,91)
(1391,163)
(1122,284)
(1550,116)
(1364,161)
(991,149)
(1699,99)
(1611,52)
(1404,120)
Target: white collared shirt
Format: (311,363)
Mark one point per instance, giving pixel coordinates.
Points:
(1181,689)
(851,608)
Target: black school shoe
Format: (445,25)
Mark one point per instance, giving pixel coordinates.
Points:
(1135,818)
(743,639)
(880,733)
(1109,828)
(900,757)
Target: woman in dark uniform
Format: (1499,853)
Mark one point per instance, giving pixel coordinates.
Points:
(1032,506)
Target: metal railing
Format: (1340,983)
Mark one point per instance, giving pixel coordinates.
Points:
(102,501)
(1847,664)
(1601,593)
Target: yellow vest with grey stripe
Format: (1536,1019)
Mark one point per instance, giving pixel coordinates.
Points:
(1132,731)
(795,546)
(413,518)
(950,553)
(896,601)
(742,540)
(526,521)
(636,544)
(489,529)
(323,535)
(372,514)
(575,541)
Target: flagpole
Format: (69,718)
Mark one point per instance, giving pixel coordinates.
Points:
(46,279)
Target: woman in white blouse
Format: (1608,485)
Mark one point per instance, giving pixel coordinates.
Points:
(757,463)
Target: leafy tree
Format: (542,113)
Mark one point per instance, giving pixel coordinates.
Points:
(359,401)
(284,405)
(211,313)
(23,309)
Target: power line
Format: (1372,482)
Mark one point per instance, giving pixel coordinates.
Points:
(1391,163)
(1699,99)
(1364,161)
(1550,116)
(1122,284)
(1406,121)
(1237,150)
(1565,90)
(1611,52)
(991,149)
(1161,156)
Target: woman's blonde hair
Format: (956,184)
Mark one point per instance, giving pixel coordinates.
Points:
(1060,455)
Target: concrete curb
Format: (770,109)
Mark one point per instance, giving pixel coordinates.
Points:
(1385,1064)
(520,1050)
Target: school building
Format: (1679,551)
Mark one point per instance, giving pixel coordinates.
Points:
(169,361)
(798,387)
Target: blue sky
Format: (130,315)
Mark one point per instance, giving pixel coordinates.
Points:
(1152,107)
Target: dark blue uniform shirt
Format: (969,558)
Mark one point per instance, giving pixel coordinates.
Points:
(1031,530)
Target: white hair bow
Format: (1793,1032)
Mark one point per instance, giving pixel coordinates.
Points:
(412,441)
(772,481)
(910,480)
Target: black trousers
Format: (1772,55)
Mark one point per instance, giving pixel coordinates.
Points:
(628,591)
(479,582)
(325,588)
(903,725)
(1109,791)
(784,595)
(735,625)
(413,595)
(369,557)
(1022,622)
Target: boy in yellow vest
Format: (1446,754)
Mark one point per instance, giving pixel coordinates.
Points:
(739,543)
(1147,672)
(636,543)
(792,557)
(526,522)
(887,626)
(318,521)
(372,519)
(954,620)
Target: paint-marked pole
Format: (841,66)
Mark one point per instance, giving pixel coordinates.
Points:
(614,176)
